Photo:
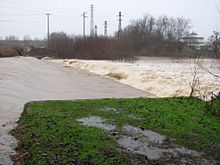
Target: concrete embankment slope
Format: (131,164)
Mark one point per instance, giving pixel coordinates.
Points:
(24,79)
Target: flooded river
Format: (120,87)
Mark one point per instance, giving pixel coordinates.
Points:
(24,79)
(163,77)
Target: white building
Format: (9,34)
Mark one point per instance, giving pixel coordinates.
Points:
(193,40)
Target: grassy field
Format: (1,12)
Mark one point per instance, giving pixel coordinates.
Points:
(49,132)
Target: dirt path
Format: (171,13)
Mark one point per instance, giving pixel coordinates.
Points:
(24,79)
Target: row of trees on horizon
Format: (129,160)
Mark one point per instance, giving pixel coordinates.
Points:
(147,36)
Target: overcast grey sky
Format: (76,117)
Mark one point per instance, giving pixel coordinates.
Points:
(22,17)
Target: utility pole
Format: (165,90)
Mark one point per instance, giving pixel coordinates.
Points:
(96,30)
(84,24)
(105,28)
(92,22)
(119,25)
(48,28)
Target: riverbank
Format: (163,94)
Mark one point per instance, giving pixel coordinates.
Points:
(118,131)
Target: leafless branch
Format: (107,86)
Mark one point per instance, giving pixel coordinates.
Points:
(217,8)
(207,70)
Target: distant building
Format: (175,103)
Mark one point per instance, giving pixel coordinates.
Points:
(207,47)
(193,40)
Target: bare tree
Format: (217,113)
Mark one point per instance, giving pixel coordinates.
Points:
(215,40)
(198,65)
(157,35)
(183,26)
(195,84)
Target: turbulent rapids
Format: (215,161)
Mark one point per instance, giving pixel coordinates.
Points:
(162,77)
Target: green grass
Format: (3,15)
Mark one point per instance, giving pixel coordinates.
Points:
(49,132)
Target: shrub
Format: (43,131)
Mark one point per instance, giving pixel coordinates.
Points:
(213,106)
(96,48)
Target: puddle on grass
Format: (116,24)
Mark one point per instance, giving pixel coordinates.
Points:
(95,121)
(140,147)
(146,135)
(152,152)
(149,144)
(146,143)
(107,109)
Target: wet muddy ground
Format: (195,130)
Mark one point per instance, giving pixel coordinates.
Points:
(152,145)
(24,79)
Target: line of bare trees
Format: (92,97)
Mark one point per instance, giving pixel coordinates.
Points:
(97,48)
(148,36)
(158,36)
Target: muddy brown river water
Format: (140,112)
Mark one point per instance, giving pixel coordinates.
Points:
(161,76)
(24,79)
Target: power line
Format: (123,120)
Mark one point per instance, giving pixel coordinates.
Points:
(24,10)
(28,12)
(33,9)
(63,18)
(19,15)
(34,5)
(15,3)
(6,15)
(21,21)
(216,6)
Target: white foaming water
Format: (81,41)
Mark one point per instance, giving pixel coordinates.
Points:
(163,77)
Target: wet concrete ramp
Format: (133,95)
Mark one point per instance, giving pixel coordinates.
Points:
(24,79)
